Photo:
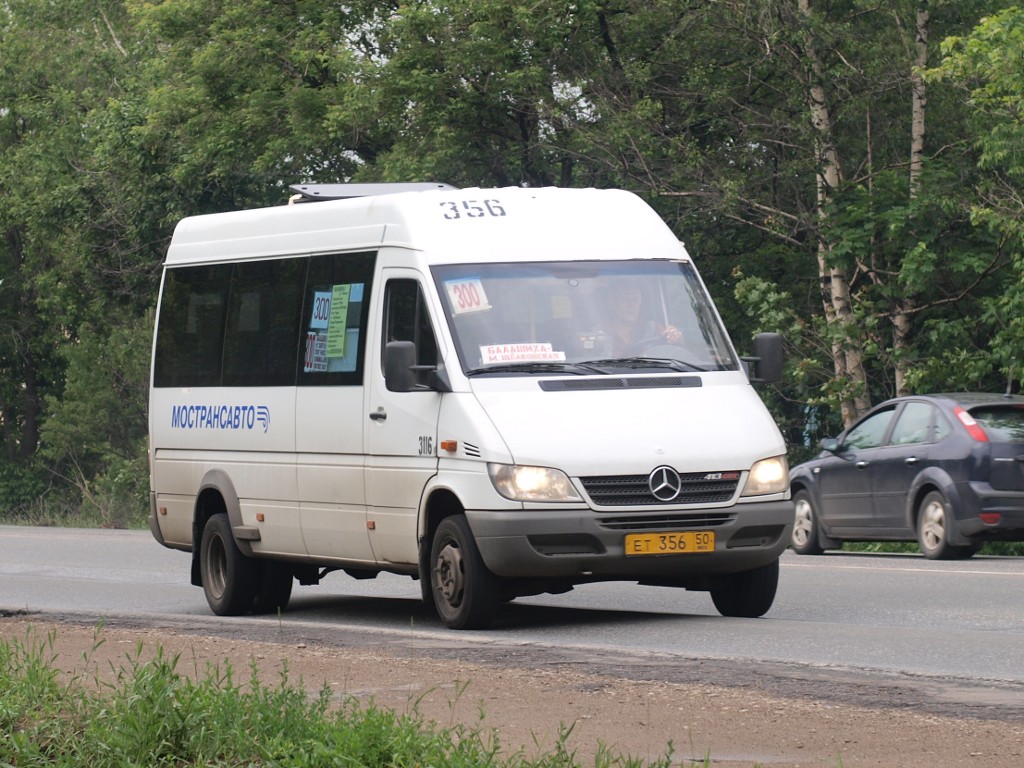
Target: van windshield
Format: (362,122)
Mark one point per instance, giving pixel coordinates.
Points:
(582,317)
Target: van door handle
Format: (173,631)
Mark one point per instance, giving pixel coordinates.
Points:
(380,414)
(910,460)
(861,465)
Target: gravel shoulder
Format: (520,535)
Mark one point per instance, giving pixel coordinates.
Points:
(733,713)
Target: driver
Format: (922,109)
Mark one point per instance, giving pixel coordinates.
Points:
(628,330)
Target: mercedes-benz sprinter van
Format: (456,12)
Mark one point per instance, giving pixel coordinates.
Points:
(499,392)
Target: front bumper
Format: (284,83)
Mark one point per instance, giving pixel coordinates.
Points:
(586,545)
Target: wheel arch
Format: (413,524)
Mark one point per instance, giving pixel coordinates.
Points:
(438,503)
(798,484)
(805,484)
(216,495)
(934,479)
(931,479)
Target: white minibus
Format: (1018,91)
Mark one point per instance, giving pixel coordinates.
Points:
(498,392)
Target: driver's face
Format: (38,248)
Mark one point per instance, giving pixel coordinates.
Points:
(626,304)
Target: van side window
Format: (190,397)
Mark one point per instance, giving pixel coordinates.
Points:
(406,319)
(261,337)
(333,321)
(190,341)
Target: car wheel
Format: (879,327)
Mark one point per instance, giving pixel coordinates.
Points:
(933,521)
(466,594)
(747,594)
(229,577)
(805,526)
(274,588)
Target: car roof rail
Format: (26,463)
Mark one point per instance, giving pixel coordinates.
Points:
(307,193)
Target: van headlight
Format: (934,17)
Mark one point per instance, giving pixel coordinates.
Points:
(768,476)
(520,483)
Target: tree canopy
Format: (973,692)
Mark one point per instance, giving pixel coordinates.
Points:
(848,173)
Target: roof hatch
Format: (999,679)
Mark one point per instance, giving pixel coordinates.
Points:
(306,193)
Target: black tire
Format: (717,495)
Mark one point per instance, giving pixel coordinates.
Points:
(934,517)
(426,588)
(229,577)
(275,581)
(747,594)
(805,526)
(465,593)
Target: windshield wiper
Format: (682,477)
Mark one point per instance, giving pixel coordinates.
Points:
(579,369)
(645,362)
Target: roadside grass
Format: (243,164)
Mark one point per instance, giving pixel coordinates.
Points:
(51,514)
(994,548)
(150,714)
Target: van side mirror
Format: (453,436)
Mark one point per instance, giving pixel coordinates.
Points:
(765,365)
(402,374)
(399,360)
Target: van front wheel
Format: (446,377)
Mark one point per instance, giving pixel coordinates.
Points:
(466,594)
(747,594)
(229,577)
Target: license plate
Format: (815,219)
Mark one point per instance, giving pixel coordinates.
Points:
(679,543)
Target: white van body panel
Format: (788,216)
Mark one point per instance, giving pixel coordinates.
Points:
(633,430)
(356,476)
(540,224)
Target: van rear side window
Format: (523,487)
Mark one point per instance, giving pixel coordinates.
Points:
(271,323)
(260,342)
(190,345)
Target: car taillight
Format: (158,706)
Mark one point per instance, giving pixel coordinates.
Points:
(973,428)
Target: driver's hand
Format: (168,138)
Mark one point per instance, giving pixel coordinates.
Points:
(672,334)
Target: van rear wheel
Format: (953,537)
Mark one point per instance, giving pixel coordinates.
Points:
(275,586)
(466,594)
(229,577)
(747,594)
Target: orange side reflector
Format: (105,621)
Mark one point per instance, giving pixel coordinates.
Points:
(259,517)
(450,445)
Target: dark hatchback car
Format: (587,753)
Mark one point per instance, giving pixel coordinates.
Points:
(946,470)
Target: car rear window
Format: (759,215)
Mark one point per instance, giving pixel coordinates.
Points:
(1003,425)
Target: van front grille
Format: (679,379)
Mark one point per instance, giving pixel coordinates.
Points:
(634,490)
(661,522)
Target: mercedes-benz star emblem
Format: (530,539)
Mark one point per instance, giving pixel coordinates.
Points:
(664,483)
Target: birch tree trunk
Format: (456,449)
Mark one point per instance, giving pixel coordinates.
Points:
(847,351)
(905,305)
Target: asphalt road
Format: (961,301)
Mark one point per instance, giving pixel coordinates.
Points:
(890,616)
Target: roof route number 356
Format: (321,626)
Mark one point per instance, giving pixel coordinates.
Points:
(471,209)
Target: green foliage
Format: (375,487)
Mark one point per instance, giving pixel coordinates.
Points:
(154,715)
(95,433)
(985,65)
(118,118)
(22,488)
(994,548)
